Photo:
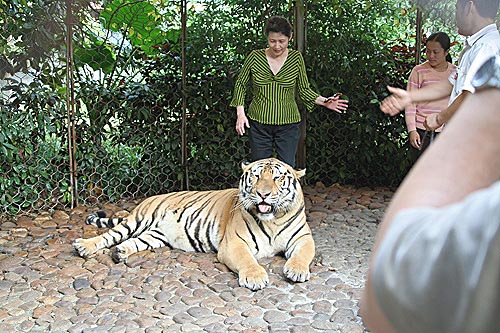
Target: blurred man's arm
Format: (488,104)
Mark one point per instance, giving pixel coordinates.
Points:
(435,120)
(465,158)
(400,98)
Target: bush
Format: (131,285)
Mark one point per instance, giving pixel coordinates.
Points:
(132,138)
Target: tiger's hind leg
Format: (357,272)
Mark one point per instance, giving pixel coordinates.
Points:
(100,220)
(148,240)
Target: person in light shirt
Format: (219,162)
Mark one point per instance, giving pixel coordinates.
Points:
(476,20)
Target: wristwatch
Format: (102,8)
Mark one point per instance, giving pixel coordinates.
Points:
(488,75)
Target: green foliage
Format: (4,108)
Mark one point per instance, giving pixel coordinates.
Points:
(30,32)
(140,21)
(130,94)
(33,159)
(358,54)
(97,54)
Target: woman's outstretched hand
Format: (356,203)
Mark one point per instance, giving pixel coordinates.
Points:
(336,104)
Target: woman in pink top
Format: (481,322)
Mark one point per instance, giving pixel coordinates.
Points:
(437,67)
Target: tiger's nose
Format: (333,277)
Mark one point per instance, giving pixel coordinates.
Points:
(263,195)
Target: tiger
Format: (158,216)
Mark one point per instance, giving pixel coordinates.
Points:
(263,217)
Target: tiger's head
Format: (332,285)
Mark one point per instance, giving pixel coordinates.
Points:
(270,188)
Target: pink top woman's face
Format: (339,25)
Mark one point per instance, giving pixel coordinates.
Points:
(435,54)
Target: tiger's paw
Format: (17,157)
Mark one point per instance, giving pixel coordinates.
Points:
(297,272)
(119,254)
(84,247)
(253,279)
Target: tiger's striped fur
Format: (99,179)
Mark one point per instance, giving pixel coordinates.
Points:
(262,218)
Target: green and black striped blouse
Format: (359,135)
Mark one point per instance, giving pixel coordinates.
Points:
(273,99)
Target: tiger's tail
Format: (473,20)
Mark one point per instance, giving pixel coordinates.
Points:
(100,220)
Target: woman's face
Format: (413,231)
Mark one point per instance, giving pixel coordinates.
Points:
(435,53)
(278,43)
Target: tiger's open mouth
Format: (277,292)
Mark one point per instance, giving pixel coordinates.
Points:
(264,208)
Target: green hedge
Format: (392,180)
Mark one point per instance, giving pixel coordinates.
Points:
(129,117)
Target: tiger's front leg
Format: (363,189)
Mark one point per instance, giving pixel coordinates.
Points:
(299,257)
(89,246)
(148,240)
(236,255)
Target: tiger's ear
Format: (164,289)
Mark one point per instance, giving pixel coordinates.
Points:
(245,166)
(300,173)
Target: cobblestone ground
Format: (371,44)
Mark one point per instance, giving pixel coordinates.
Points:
(46,287)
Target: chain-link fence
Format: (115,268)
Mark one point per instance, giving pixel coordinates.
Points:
(111,100)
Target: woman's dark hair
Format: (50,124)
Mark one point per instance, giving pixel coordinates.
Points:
(278,24)
(443,39)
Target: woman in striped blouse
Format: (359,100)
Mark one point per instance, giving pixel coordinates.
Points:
(273,116)
(437,68)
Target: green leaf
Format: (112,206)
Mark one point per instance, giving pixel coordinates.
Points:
(97,56)
(140,20)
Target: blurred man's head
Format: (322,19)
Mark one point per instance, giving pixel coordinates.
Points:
(469,12)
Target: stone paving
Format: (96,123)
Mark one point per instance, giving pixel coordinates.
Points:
(46,287)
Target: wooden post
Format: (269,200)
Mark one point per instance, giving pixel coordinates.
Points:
(418,38)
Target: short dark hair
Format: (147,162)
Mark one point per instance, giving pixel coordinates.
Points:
(485,8)
(278,24)
(443,39)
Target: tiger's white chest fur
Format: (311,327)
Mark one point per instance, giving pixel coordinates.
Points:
(272,237)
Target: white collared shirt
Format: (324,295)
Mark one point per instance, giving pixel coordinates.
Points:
(481,46)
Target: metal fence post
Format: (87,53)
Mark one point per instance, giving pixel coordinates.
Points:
(185,178)
(70,104)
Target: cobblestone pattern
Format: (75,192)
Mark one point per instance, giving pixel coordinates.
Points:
(45,286)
